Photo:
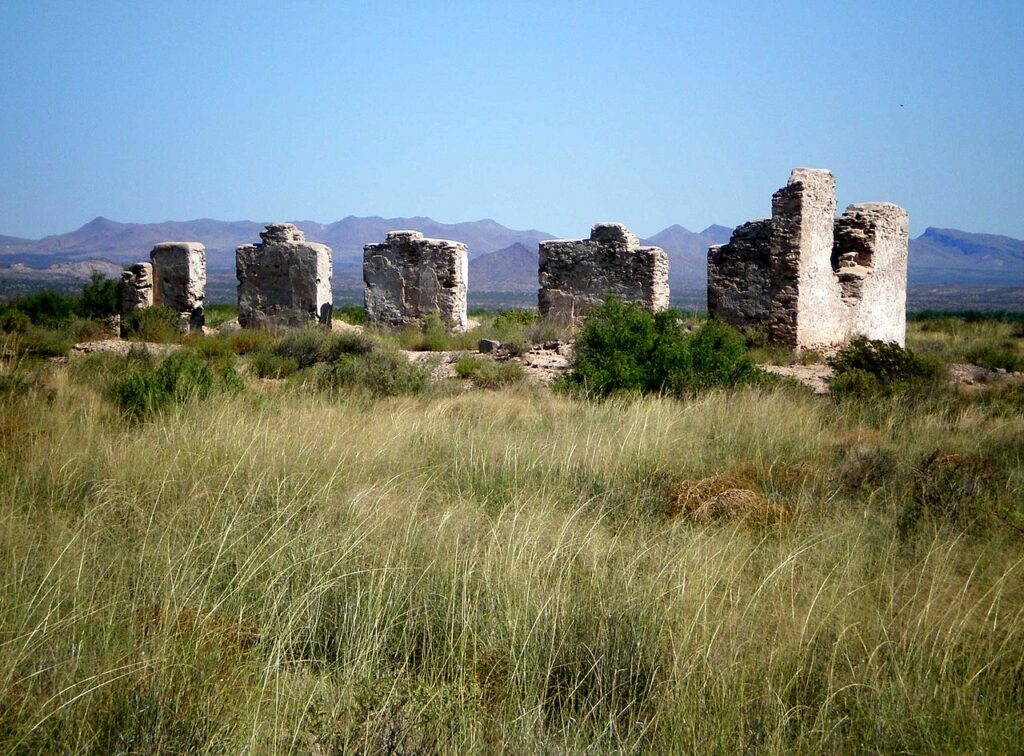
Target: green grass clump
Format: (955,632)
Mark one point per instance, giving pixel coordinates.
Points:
(157,324)
(267,364)
(624,348)
(177,379)
(313,344)
(382,372)
(487,373)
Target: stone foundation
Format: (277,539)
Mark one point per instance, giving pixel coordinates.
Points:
(811,280)
(408,277)
(579,273)
(179,280)
(284,281)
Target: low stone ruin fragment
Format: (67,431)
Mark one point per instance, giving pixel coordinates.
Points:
(578,273)
(175,277)
(408,277)
(284,281)
(136,290)
(813,281)
(179,280)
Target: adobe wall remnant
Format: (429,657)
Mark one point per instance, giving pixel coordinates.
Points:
(136,290)
(179,280)
(284,281)
(578,273)
(811,280)
(408,276)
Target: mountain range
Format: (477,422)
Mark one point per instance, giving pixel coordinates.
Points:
(501,259)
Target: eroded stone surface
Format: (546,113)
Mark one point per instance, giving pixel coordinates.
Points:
(136,290)
(810,280)
(576,274)
(179,280)
(408,276)
(284,281)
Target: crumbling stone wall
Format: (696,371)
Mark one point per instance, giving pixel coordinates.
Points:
(578,273)
(136,290)
(408,276)
(284,281)
(810,280)
(179,280)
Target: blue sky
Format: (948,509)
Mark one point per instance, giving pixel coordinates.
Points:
(550,115)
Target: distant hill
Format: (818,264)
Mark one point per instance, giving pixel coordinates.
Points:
(102,238)
(950,256)
(513,268)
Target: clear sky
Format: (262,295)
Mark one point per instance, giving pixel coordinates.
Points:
(548,115)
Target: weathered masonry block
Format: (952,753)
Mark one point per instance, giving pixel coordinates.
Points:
(578,273)
(179,280)
(284,281)
(136,290)
(811,280)
(408,277)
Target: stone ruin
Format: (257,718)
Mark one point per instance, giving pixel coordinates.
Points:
(578,273)
(175,277)
(812,280)
(408,277)
(284,281)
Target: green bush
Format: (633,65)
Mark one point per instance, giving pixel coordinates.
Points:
(313,344)
(868,366)
(157,324)
(13,320)
(487,373)
(100,298)
(382,372)
(179,378)
(267,364)
(44,308)
(354,314)
(623,348)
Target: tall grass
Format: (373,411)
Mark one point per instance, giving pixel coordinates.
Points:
(499,571)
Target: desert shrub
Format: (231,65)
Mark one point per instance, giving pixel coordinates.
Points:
(43,342)
(13,320)
(179,378)
(382,372)
(955,488)
(267,364)
(487,373)
(313,344)
(157,324)
(246,340)
(623,348)
(350,313)
(45,308)
(100,297)
(209,347)
(999,355)
(507,318)
(868,366)
(218,314)
(430,336)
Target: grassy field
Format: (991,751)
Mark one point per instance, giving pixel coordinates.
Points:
(276,567)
